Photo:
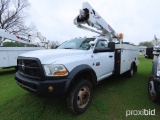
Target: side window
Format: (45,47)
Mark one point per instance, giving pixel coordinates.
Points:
(102,44)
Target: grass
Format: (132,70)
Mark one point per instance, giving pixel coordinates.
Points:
(111,99)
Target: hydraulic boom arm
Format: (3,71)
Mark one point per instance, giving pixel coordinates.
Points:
(4,34)
(38,34)
(41,38)
(93,19)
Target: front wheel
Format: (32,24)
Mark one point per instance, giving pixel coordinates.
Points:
(80,97)
(153,95)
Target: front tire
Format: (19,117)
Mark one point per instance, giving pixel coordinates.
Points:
(80,97)
(153,95)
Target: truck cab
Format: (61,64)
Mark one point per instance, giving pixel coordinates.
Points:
(92,56)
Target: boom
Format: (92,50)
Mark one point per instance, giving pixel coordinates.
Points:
(41,38)
(38,34)
(93,19)
(4,34)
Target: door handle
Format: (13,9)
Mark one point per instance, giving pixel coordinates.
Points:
(110,56)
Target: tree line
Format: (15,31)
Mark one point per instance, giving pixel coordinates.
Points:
(146,43)
(51,44)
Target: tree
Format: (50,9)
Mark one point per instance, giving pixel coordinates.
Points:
(17,44)
(53,44)
(13,15)
(146,43)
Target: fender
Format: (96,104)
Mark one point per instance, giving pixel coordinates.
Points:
(154,67)
(82,68)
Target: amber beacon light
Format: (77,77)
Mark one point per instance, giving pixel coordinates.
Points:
(120,35)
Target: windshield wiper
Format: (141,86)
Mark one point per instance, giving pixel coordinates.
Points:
(68,48)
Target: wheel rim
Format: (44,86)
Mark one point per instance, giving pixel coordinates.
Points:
(83,97)
(151,89)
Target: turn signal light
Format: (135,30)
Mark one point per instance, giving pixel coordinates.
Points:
(60,73)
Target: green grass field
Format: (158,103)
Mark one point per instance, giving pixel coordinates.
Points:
(111,99)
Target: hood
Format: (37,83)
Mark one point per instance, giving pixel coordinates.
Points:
(53,55)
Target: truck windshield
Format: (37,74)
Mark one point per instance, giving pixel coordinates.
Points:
(79,44)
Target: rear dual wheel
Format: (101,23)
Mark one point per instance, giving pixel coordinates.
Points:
(131,72)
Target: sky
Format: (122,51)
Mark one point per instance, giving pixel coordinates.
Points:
(138,20)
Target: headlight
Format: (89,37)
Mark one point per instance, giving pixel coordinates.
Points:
(158,68)
(55,70)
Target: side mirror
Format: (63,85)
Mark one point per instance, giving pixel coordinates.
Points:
(111,45)
(111,48)
(92,43)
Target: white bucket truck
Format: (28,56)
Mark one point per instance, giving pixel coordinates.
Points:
(77,65)
(8,55)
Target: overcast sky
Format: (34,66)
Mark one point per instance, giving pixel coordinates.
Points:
(138,20)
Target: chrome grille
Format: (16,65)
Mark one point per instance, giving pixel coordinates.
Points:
(29,67)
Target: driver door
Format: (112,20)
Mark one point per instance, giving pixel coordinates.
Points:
(104,61)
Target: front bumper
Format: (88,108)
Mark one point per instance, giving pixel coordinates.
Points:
(42,87)
(156,81)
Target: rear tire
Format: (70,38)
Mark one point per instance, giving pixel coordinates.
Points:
(79,97)
(153,95)
(131,72)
